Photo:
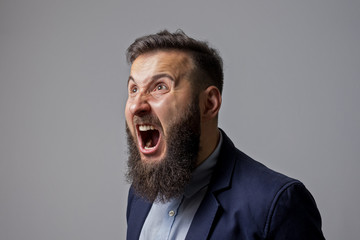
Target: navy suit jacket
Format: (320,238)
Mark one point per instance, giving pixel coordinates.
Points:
(245,200)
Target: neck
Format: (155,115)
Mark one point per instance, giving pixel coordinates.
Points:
(208,141)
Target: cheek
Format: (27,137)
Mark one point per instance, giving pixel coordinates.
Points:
(131,128)
(128,116)
(165,110)
(169,115)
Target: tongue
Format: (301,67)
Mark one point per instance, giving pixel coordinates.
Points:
(148,144)
(150,138)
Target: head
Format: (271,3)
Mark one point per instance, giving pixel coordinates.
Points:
(207,63)
(174,96)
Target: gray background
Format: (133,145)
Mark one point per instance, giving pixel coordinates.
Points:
(290,100)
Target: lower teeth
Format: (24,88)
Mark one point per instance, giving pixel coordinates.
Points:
(148,144)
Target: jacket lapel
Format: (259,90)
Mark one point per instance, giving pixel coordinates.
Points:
(204,218)
(210,208)
(139,210)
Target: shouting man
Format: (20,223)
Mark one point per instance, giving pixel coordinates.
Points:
(188,180)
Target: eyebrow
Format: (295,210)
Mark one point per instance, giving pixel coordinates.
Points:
(153,78)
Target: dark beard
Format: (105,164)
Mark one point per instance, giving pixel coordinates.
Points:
(166,179)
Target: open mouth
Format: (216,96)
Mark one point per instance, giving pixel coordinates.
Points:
(148,137)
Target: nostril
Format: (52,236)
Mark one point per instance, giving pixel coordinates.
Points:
(141,113)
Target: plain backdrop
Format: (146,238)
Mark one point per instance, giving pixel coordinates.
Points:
(291,101)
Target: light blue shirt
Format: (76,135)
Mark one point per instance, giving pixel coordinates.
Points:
(172,220)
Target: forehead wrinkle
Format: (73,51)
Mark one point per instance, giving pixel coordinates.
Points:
(141,72)
(175,63)
(142,66)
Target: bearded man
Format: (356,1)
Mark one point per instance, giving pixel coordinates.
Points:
(188,180)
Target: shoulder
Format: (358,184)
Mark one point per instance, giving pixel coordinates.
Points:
(253,188)
(262,201)
(247,176)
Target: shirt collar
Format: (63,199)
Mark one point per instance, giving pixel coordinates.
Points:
(202,174)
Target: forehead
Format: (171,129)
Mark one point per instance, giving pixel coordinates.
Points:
(173,62)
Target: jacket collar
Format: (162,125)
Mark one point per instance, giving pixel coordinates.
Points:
(210,206)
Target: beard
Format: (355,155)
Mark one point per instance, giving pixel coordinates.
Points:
(166,179)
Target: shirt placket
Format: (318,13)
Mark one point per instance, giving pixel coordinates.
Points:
(172,212)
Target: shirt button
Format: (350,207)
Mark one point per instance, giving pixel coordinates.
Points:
(171,213)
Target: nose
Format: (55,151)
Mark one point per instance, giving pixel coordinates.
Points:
(140,106)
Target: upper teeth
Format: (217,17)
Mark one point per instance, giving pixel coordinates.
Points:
(146,127)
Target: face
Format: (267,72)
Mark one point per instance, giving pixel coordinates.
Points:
(159,92)
(163,125)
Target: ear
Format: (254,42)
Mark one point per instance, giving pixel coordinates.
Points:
(211,102)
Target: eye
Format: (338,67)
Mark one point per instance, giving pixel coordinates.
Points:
(161,87)
(133,89)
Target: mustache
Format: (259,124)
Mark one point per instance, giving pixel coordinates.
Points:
(147,119)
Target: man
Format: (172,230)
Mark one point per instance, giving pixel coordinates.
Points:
(188,179)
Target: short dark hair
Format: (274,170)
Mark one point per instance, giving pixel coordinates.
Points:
(206,59)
